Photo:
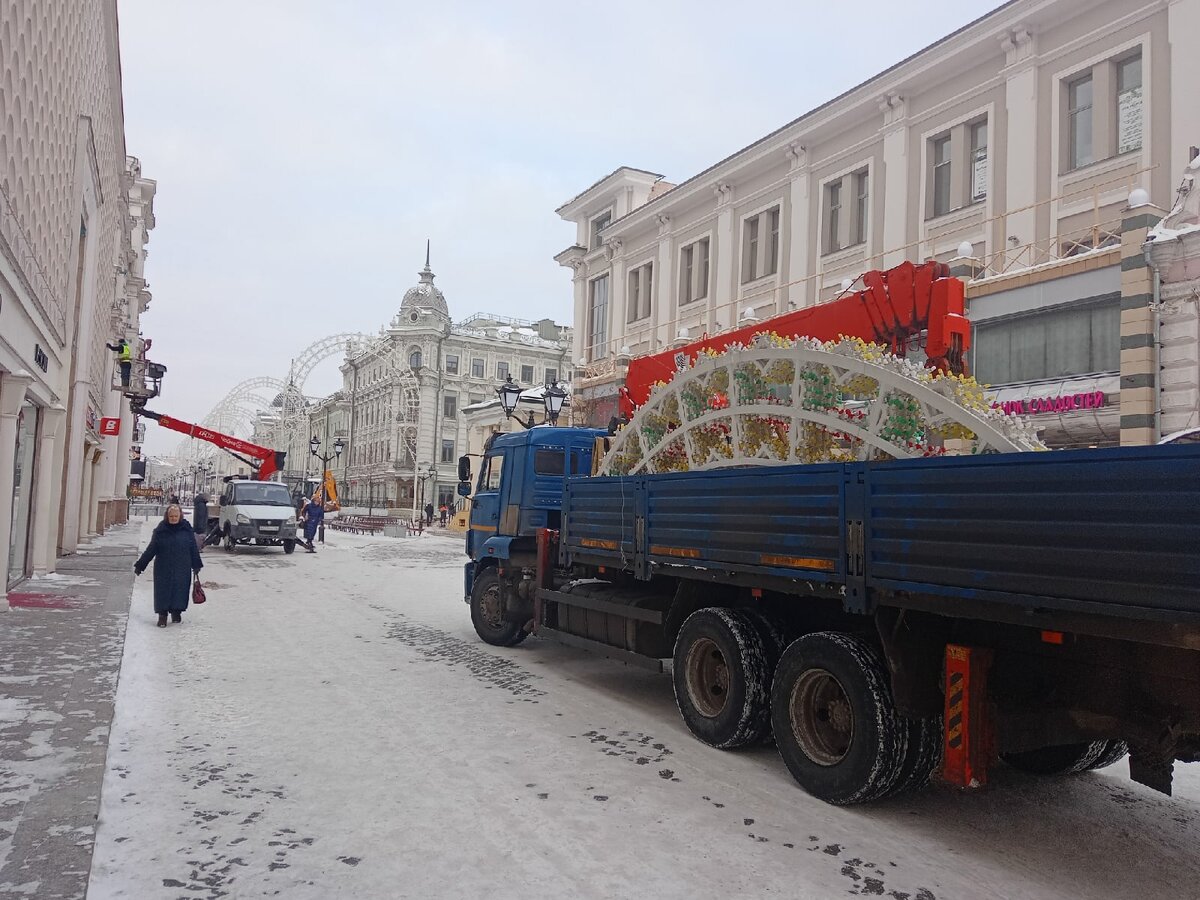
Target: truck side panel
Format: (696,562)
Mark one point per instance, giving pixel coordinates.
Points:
(765,518)
(1110,527)
(1108,531)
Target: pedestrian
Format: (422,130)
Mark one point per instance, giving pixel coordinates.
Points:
(173,548)
(314,514)
(200,518)
(429,514)
(444,512)
(124,358)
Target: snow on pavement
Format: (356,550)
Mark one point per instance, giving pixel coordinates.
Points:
(329,725)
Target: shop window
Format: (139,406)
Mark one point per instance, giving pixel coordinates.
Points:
(1080,340)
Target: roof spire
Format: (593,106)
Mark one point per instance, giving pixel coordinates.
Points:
(426,273)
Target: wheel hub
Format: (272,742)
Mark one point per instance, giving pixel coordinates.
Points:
(822,718)
(707,678)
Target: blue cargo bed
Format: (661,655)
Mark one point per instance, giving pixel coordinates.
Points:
(1114,532)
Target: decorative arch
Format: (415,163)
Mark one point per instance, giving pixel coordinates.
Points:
(782,402)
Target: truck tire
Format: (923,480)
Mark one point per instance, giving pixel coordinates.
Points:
(230,544)
(836,726)
(289,546)
(487,616)
(1062,759)
(722,678)
(1113,752)
(774,634)
(922,756)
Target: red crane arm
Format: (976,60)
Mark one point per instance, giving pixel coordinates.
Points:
(269,461)
(892,307)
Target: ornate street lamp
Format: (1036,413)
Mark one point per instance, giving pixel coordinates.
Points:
(552,399)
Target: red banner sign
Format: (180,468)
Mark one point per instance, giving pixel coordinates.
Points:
(110,427)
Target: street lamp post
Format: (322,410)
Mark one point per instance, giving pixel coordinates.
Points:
(314,445)
(552,399)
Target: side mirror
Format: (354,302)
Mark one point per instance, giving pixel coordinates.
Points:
(464,489)
(464,469)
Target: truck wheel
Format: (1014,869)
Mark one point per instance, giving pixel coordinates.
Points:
(1113,752)
(289,546)
(922,756)
(774,634)
(230,543)
(835,724)
(488,617)
(1063,759)
(722,678)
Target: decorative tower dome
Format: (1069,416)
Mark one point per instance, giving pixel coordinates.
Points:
(424,297)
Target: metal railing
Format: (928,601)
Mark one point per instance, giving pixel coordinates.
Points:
(19,248)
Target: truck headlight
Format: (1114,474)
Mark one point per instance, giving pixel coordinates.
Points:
(291,521)
(243,520)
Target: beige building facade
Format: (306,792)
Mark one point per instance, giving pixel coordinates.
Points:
(1010,149)
(75,212)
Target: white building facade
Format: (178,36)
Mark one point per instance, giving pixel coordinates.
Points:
(74,213)
(399,413)
(1010,147)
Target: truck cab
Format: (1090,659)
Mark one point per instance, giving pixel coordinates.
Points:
(517,491)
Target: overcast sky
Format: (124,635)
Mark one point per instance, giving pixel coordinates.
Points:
(304,150)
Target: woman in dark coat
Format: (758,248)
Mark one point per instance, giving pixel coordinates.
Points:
(173,549)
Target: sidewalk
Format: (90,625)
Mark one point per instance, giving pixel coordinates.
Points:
(60,653)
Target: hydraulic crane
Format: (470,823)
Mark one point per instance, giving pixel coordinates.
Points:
(264,461)
(893,308)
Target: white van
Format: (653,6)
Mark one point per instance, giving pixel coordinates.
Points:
(258,512)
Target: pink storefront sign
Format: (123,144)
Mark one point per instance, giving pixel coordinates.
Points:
(1032,406)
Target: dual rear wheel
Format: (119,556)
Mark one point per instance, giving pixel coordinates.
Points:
(826,698)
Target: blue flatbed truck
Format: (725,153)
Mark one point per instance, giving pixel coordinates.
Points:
(881,621)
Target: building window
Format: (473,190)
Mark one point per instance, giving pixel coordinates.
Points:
(693,272)
(1129,104)
(760,245)
(526,374)
(641,292)
(551,376)
(414,359)
(598,224)
(477,368)
(1079,122)
(597,317)
(501,370)
(447,451)
(750,249)
(862,196)
(1079,340)
(979,160)
(451,364)
(450,406)
(942,172)
(833,216)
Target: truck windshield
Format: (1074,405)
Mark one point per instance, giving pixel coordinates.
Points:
(264,494)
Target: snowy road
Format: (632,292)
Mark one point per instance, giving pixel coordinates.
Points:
(329,726)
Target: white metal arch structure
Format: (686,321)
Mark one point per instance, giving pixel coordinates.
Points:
(783,402)
(319,351)
(234,413)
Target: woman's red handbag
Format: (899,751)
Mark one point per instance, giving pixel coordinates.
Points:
(198,595)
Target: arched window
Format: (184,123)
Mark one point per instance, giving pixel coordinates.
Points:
(414,359)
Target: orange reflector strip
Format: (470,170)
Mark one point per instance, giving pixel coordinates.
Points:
(1052,637)
(797,562)
(685,552)
(599,544)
